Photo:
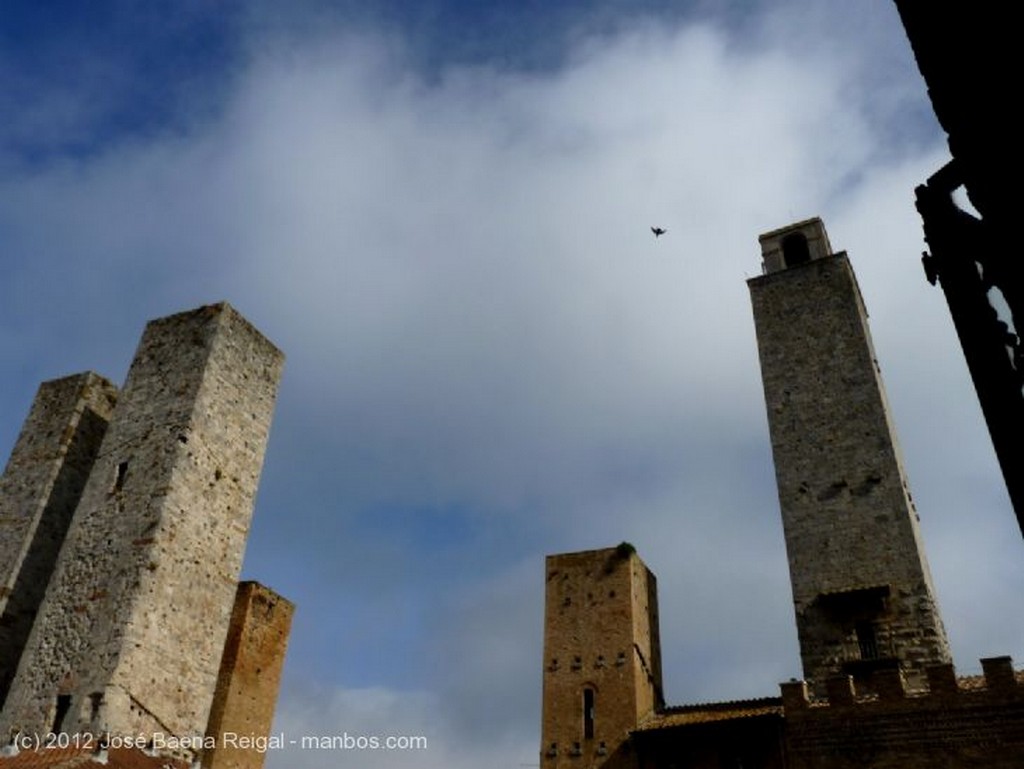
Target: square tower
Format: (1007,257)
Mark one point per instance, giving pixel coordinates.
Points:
(602,657)
(250,676)
(39,491)
(862,590)
(129,637)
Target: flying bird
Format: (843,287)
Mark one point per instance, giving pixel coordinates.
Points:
(658,231)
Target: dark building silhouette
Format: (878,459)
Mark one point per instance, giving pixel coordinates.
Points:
(964,53)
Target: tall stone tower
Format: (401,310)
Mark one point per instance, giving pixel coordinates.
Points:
(250,675)
(602,657)
(39,490)
(861,587)
(130,635)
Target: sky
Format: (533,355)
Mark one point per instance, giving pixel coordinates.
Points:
(440,211)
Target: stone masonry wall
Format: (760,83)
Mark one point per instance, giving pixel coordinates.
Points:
(134,621)
(601,634)
(39,491)
(250,676)
(848,519)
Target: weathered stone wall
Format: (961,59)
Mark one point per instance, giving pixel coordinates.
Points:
(39,491)
(135,618)
(601,635)
(852,533)
(250,676)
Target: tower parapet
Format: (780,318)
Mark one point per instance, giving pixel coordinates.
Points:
(793,245)
(973,721)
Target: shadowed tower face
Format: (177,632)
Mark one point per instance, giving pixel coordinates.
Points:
(862,591)
(602,657)
(38,493)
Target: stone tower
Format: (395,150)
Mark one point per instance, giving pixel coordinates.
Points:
(129,637)
(602,657)
(861,587)
(250,675)
(39,490)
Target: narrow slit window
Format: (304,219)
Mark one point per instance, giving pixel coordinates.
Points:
(63,706)
(95,701)
(122,471)
(588,714)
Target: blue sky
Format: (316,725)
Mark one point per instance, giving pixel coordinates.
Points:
(440,212)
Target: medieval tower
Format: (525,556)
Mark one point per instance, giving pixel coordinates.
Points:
(38,493)
(143,627)
(602,657)
(862,591)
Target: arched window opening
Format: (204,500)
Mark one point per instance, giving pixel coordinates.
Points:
(795,250)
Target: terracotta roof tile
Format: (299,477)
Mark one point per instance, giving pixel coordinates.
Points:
(84,758)
(685,715)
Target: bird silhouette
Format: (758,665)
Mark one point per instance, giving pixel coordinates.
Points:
(658,231)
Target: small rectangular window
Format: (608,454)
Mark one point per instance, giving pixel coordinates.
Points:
(63,706)
(95,700)
(867,640)
(122,471)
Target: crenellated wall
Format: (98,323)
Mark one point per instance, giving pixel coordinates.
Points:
(951,723)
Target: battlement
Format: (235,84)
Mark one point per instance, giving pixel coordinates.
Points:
(951,721)
(999,680)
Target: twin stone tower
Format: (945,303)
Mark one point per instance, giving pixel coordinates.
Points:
(123,522)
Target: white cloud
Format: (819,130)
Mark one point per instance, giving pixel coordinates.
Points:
(376,727)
